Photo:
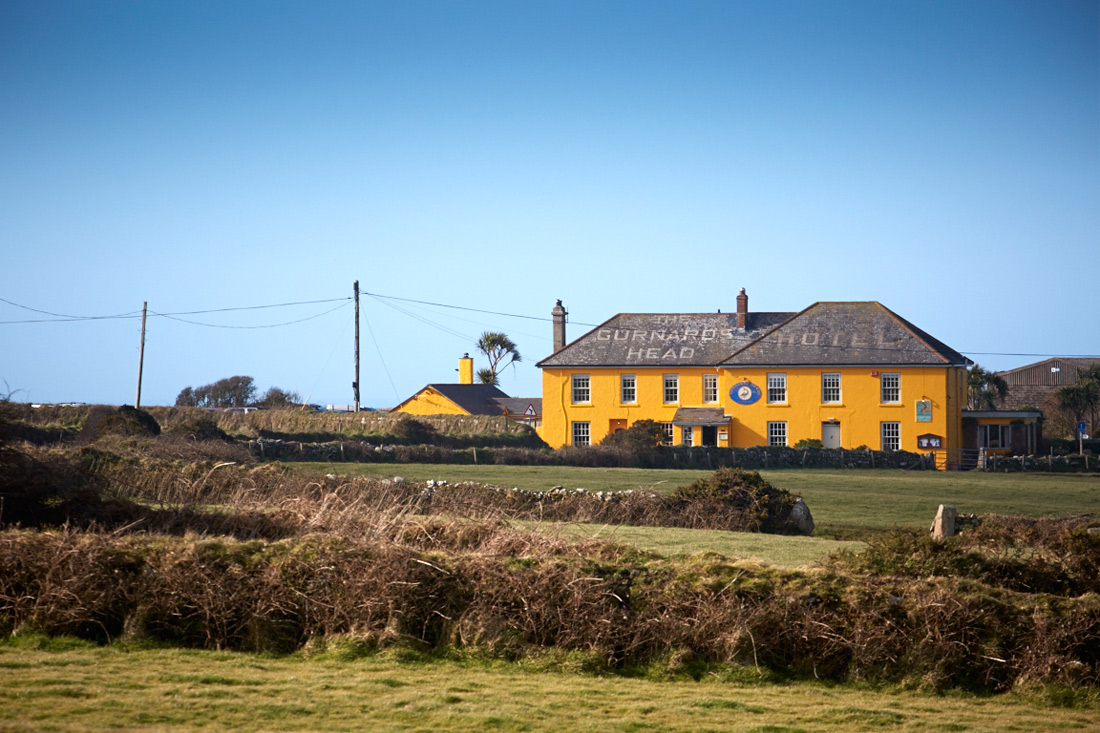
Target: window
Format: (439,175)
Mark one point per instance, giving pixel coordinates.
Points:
(582,434)
(777,433)
(667,427)
(582,389)
(994,436)
(891,388)
(777,388)
(672,388)
(688,433)
(830,387)
(891,436)
(628,389)
(710,389)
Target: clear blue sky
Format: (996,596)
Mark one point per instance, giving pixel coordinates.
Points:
(942,158)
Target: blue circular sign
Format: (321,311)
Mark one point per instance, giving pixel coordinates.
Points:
(744,393)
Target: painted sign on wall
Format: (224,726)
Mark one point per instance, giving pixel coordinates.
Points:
(744,393)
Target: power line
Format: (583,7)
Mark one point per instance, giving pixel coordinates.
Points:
(464,308)
(269,325)
(63,318)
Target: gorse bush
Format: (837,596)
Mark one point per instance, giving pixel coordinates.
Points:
(763,507)
(1045,555)
(489,590)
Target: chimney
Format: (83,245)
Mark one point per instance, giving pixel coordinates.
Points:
(559,313)
(465,370)
(742,309)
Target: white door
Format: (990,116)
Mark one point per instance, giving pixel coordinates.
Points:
(830,434)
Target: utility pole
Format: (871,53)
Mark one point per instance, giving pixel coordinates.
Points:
(141,354)
(355,384)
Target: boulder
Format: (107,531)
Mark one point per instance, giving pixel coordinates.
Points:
(944,523)
(800,518)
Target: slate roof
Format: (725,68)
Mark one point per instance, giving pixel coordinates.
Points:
(517,406)
(476,399)
(663,339)
(700,416)
(846,334)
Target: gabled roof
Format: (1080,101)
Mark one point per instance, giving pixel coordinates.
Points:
(663,339)
(520,406)
(846,334)
(1059,371)
(476,399)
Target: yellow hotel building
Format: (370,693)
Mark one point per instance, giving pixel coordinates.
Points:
(850,374)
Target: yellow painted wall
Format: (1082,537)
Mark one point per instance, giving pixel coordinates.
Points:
(429,402)
(860,413)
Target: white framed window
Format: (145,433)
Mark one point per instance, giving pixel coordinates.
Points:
(891,436)
(582,389)
(672,389)
(667,427)
(687,435)
(777,388)
(710,389)
(582,433)
(891,387)
(628,389)
(777,433)
(830,388)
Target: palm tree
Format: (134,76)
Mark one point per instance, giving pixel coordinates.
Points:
(500,351)
(985,389)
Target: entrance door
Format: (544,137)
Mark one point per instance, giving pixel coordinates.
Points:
(830,434)
(616,425)
(710,435)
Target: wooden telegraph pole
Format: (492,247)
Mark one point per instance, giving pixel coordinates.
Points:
(141,354)
(355,384)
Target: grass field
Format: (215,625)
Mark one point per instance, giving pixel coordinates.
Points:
(842,502)
(90,688)
(778,550)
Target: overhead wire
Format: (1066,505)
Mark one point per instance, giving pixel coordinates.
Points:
(384,299)
(266,325)
(465,308)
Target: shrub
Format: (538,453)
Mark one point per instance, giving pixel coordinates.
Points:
(643,435)
(764,508)
(125,420)
(198,426)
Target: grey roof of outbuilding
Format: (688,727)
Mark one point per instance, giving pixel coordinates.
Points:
(663,339)
(517,406)
(846,334)
(476,399)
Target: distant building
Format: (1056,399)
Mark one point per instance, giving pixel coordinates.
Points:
(1033,385)
(467,398)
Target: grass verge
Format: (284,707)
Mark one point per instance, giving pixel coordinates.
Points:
(844,503)
(94,688)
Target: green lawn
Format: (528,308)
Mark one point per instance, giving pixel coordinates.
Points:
(778,550)
(842,502)
(88,688)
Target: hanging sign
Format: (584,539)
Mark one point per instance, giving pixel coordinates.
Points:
(924,410)
(744,393)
